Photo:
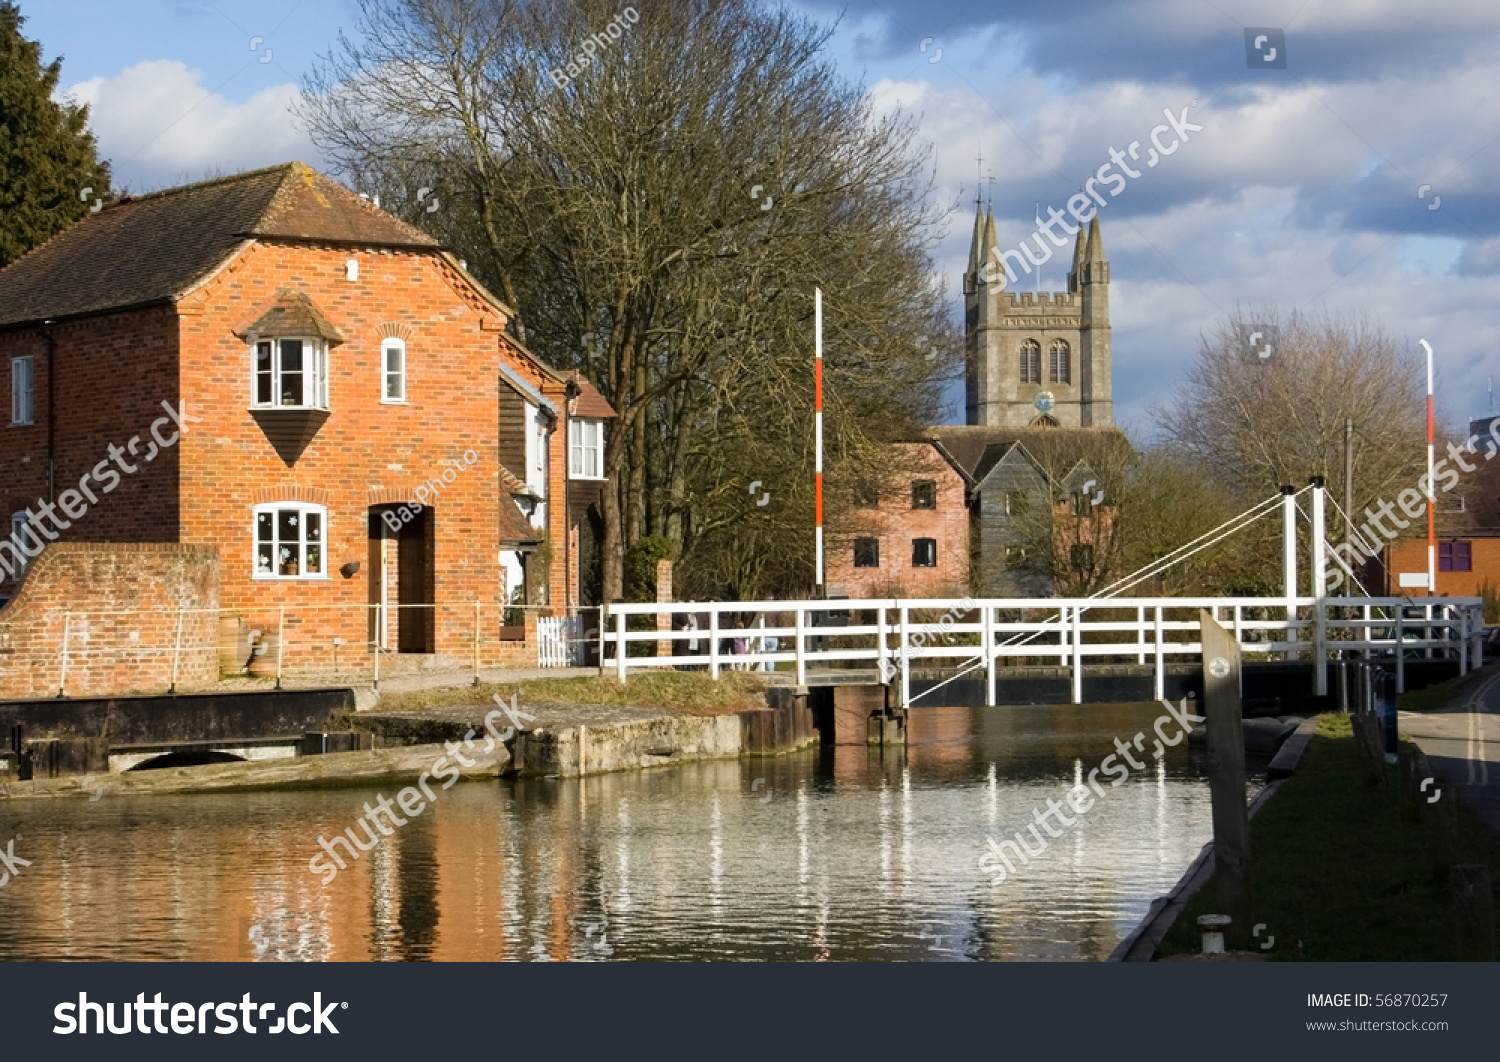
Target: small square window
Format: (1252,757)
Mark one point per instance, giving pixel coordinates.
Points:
(1015,557)
(867,552)
(1455,556)
(289,541)
(1016,502)
(924,553)
(924,494)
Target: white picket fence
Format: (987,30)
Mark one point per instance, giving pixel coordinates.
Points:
(559,641)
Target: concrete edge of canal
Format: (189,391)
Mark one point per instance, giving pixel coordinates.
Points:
(1141,943)
(569,744)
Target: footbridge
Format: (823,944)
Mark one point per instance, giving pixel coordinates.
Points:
(1088,641)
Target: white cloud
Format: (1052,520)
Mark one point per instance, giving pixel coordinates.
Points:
(158,125)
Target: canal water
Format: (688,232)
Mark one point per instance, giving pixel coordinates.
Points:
(834,854)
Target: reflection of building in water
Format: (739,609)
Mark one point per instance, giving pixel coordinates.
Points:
(855,855)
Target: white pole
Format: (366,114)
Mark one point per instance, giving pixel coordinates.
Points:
(1431,496)
(818,428)
(1319,589)
(1289,561)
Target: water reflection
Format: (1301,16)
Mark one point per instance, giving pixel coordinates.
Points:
(856,855)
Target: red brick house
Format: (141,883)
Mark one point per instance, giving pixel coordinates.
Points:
(268,365)
(908,535)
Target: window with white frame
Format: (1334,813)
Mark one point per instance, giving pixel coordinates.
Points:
(291,373)
(24,538)
(585,448)
(289,539)
(393,370)
(20,390)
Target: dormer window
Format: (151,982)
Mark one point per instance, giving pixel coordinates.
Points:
(291,373)
(585,448)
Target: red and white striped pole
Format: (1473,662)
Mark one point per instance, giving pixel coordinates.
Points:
(818,428)
(1431,493)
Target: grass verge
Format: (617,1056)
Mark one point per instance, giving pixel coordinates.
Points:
(1337,873)
(689,692)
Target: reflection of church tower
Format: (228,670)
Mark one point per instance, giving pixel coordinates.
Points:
(1036,358)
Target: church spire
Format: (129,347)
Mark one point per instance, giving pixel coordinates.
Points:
(1095,266)
(1075,275)
(1095,251)
(976,248)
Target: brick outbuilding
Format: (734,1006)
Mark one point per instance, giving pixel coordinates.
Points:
(269,365)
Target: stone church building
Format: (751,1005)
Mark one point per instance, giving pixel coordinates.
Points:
(1009,504)
(1037,360)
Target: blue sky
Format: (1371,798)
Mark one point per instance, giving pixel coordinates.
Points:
(1305,188)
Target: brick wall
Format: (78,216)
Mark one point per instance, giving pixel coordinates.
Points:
(1410,555)
(76,586)
(93,358)
(896,524)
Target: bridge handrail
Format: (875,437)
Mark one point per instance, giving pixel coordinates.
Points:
(1446,625)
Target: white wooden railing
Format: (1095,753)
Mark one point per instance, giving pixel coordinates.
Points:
(953,634)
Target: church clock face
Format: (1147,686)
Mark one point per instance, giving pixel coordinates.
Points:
(1044,402)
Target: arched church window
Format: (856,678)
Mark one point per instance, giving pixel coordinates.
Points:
(1045,421)
(1031,362)
(1060,362)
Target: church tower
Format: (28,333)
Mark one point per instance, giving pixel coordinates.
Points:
(1036,359)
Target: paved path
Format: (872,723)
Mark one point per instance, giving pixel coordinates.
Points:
(1462,741)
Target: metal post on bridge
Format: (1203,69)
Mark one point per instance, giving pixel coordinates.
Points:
(987,622)
(1161,670)
(905,652)
(1463,641)
(1077,654)
(1289,563)
(801,650)
(1400,653)
(1319,590)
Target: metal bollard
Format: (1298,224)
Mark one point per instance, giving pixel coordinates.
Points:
(1213,926)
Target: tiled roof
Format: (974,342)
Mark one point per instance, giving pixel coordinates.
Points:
(514,527)
(155,248)
(591,402)
(974,449)
(292,314)
(513,484)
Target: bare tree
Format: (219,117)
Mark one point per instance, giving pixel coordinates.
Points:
(657,200)
(1256,418)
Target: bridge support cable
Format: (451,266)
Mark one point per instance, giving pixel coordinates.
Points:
(1208,539)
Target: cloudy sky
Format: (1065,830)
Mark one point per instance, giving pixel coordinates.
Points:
(1351,179)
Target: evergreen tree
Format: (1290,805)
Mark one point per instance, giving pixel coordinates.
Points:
(47,155)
